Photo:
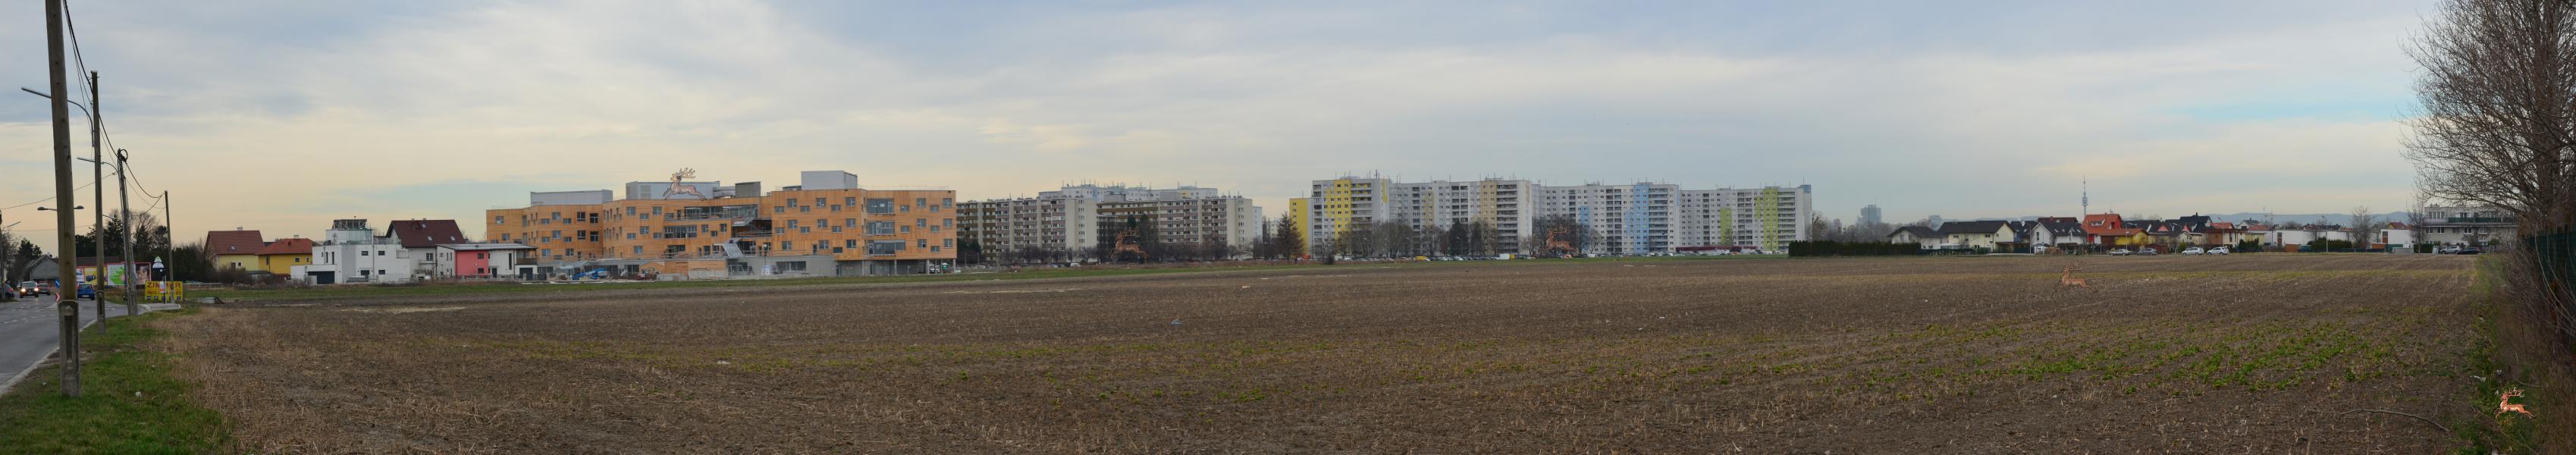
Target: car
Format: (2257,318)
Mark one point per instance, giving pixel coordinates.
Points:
(2194,251)
(29,288)
(2120,252)
(2146,252)
(2222,251)
(85,292)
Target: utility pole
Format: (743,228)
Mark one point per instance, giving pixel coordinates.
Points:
(69,309)
(127,213)
(98,193)
(170,260)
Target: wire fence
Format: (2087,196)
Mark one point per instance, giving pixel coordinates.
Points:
(2554,256)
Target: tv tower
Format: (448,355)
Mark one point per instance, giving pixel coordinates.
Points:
(2088,196)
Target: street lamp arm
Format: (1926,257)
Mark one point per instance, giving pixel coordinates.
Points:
(84,109)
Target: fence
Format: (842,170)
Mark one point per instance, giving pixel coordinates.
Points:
(2555,256)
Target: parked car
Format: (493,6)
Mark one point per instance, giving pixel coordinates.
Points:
(2217,251)
(2194,251)
(85,292)
(2120,252)
(2146,252)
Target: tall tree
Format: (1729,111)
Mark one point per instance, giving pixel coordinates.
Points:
(2498,90)
(1287,237)
(2363,225)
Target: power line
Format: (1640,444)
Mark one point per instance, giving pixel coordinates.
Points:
(41,201)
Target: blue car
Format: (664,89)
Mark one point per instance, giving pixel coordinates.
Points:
(85,293)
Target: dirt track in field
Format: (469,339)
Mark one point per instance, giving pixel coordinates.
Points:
(1915,355)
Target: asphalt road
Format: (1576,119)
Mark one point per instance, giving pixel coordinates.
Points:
(30,329)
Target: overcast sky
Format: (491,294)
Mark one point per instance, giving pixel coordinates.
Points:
(283,115)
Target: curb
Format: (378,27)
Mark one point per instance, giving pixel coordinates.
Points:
(12,383)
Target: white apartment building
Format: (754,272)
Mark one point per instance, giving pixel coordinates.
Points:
(1081,217)
(1507,205)
(352,253)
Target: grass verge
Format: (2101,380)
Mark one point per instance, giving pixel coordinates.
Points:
(130,401)
(354,291)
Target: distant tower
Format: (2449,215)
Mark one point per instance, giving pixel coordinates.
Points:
(1936,221)
(1869,215)
(2088,196)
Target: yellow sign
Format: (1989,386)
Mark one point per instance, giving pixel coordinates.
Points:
(164,291)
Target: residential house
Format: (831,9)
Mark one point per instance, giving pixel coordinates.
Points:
(1976,234)
(352,253)
(2108,229)
(280,257)
(1916,235)
(2394,236)
(235,249)
(2057,232)
(478,260)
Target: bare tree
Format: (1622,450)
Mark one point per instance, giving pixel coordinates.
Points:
(2499,97)
(2362,226)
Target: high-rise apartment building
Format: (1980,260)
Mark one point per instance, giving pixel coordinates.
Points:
(1869,215)
(1635,218)
(1077,221)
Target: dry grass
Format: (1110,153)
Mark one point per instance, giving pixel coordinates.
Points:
(1933,355)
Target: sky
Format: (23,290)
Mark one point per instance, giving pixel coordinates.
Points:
(283,115)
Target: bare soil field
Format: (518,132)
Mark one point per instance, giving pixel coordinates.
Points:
(2227,354)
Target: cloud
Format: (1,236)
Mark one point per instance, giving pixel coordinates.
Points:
(1996,113)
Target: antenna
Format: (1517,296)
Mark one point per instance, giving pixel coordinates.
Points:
(2088,195)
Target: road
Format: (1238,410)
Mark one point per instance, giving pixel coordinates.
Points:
(30,330)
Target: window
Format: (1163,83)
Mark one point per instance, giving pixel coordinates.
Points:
(805,209)
(850,222)
(907,229)
(924,242)
(791,224)
(853,243)
(880,228)
(850,201)
(779,209)
(951,222)
(947,201)
(934,249)
(496,219)
(920,221)
(885,247)
(934,229)
(903,208)
(880,206)
(360,253)
(546,252)
(791,266)
(952,243)
(787,245)
(639,249)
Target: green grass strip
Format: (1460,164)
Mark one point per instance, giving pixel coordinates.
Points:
(129,402)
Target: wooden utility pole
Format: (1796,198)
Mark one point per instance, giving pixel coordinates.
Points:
(69,309)
(170,257)
(98,216)
(125,212)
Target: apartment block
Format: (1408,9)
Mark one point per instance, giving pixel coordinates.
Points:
(826,225)
(1080,219)
(1639,218)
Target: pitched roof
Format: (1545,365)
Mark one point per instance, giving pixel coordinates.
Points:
(234,242)
(1973,227)
(288,246)
(1919,231)
(2106,224)
(428,233)
(2057,226)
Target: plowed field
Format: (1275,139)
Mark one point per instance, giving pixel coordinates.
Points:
(2246,353)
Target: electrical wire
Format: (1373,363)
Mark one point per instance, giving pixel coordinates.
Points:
(49,198)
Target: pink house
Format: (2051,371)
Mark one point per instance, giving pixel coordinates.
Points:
(478,260)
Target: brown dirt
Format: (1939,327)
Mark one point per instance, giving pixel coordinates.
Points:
(1932,355)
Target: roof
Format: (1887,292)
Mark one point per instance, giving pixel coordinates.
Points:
(428,233)
(1919,231)
(2106,224)
(288,246)
(86,261)
(486,246)
(2058,226)
(1973,227)
(234,242)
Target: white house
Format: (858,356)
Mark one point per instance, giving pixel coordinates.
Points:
(2056,231)
(352,253)
(1916,235)
(1976,234)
